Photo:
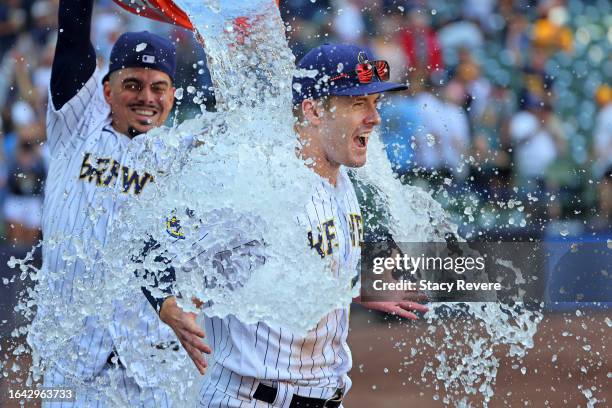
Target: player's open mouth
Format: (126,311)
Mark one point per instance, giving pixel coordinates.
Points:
(362,140)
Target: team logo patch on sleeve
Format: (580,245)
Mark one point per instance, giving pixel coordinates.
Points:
(173,228)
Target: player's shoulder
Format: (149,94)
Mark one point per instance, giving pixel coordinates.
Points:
(88,100)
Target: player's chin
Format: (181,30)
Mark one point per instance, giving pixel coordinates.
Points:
(141,127)
(358,160)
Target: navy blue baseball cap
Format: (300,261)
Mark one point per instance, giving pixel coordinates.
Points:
(335,66)
(142,50)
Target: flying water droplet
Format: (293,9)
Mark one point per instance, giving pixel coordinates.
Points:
(178,94)
(431,139)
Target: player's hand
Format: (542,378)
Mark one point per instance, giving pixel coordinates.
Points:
(401,309)
(187,330)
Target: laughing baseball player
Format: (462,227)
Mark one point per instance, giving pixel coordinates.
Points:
(94,126)
(256,365)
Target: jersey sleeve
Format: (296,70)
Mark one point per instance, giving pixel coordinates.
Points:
(75,57)
(67,126)
(222,254)
(226,252)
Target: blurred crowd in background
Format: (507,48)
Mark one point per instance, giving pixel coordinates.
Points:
(507,120)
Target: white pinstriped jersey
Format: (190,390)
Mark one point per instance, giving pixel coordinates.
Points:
(93,167)
(333,226)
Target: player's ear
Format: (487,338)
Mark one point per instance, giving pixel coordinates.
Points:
(313,111)
(106,89)
(171,93)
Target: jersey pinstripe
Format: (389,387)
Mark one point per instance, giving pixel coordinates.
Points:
(244,353)
(93,170)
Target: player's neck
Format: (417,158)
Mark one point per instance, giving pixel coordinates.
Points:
(326,170)
(316,160)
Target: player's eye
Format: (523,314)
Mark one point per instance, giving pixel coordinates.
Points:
(132,86)
(159,88)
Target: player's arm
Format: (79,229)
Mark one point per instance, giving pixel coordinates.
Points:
(410,301)
(159,294)
(75,57)
(187,331)
(228,263)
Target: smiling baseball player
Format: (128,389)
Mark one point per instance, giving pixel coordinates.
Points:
(94,127)
(256,365)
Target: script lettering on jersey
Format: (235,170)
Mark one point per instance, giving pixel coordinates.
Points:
(356,228)
(326,238)
(106,170)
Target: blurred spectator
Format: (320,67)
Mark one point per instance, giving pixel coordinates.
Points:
(536,81)
(385,45)
(517,37)
(602,136)
(107,26)
(306,9)
(454,130)
(442,146)
(12,21)
(482,12)
(491,169)
(536,141)
(459,34)
(41,74)
(307,21)
(26,175)
(348,22)
(428,148)
(549,32)
(420,43)
(35,97)
(601,220)
(401,127)
(477,88)
(44,21)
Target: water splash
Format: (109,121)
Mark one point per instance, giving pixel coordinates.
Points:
(468,367)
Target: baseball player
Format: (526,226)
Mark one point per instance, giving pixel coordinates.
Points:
(256,365)
(94,121)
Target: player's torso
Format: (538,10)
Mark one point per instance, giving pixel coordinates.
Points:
(85,187)
(332,225)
